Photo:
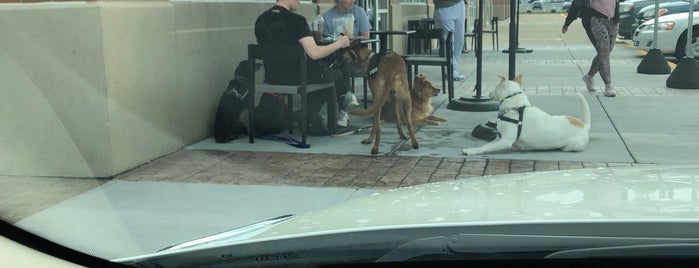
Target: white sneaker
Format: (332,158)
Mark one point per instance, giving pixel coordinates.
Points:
(352,99)
(609,91)
(459,77)
(589,83)
(342,118)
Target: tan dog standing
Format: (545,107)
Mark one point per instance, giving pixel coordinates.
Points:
(421,97)
(388,81)
(525,127)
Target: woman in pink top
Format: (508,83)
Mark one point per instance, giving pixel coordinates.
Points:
(603,29)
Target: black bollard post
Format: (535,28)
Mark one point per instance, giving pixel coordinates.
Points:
(477,103)
(514,35)
(654,62)
(686,74)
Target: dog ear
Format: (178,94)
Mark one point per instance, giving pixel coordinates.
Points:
(518,79)
(502,78)
(356,44)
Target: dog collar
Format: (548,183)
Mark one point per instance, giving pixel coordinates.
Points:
(510,96)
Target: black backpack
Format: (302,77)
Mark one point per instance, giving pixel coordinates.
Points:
(228,126)
(271,115)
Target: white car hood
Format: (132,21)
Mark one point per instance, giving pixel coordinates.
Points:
(609,194)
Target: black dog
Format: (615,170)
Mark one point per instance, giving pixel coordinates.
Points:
(228,126)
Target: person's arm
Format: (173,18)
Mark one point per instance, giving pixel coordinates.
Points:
(306,40)
(363,23)
(573,12)
(327,30)
(364,35)
(315,51)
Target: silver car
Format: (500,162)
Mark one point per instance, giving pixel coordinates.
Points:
(672,34)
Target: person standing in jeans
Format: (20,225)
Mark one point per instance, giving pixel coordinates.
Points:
(450,15)
(601,22)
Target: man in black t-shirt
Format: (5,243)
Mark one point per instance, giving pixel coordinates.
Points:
(279,26)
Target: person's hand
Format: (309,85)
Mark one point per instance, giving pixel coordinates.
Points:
(343,41)
(564,29)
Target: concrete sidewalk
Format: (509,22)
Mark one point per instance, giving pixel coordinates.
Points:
(625,129)
(239,183)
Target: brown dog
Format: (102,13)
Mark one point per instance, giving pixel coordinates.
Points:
(388,81)
(421,97)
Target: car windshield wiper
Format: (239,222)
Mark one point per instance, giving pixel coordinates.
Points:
(645,251)
(502,242)
(236,234)
(498,246)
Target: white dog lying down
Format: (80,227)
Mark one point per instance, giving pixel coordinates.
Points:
(525,127)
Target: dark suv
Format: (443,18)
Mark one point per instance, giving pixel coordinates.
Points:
(628,10)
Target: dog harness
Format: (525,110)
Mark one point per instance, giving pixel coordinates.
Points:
(373,67)
(235,84)
(520,110)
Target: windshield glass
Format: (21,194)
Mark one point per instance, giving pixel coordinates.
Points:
(138,131)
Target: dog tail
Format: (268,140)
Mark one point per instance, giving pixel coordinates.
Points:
(378,103)
(585,111)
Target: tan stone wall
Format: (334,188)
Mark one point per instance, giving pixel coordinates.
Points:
(53,102)
(95,88)
(400,14)
(92,89)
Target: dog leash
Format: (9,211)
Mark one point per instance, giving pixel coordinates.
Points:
(285,139)
(349,132)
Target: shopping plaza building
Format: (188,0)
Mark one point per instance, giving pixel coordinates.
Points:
(96,88)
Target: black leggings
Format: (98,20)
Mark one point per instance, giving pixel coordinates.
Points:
(602,33)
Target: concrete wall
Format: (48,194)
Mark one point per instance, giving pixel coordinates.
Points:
(92,89)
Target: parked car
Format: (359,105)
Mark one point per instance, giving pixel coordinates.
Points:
(539,4)
(628,10)
(648,12)
(672,34)
(566,5)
